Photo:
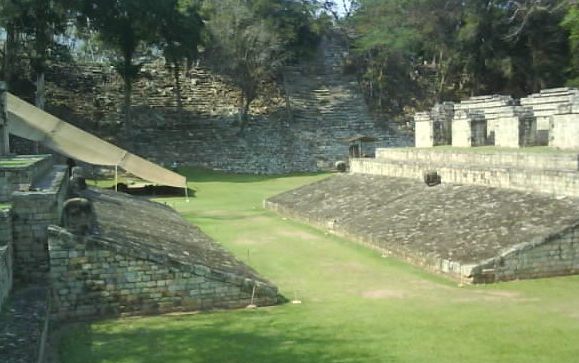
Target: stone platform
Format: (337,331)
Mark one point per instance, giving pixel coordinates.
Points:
(144,258)
(470,233)
(552,173)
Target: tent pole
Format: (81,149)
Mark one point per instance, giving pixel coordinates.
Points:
(116,178)
(186,193)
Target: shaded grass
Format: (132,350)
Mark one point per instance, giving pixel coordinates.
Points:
(356,305)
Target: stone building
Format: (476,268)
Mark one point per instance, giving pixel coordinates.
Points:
(545,118)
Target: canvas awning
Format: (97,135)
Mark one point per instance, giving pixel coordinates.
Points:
(32,123)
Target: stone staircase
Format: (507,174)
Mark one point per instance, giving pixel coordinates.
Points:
(328,103)
(300,126)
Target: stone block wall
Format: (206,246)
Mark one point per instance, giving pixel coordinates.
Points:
(5,272)
(469,128)
(21,178)
(564,127)
(552,182)
(32,213)
(516,127)
(501,160)
(545,104)
(93,277)
(423,130)
(552,256)
(5,254)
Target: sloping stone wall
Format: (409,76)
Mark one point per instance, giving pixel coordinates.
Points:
(473,234)
(92,277)
(555,255)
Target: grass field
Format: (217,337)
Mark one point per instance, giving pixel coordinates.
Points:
(356,305)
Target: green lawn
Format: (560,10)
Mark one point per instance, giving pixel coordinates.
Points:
(356,305)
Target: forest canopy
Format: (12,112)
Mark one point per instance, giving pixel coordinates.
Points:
(406,54)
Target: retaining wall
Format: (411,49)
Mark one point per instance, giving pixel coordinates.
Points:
(5,255)
(555,255)
(32,213)
(5,273)
(15,178)
(556,183)
(526,160)
(93,277)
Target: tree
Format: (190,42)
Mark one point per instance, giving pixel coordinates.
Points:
(245,48)
(40,21)
(180,29)
(571,24)
(124,25)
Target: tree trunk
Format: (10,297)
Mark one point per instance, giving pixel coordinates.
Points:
(39,100)
(10,50)
(176,75)
(40,94)
(244,114)
(128,90)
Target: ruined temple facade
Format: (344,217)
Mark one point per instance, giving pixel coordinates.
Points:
(300,126)
(550,117)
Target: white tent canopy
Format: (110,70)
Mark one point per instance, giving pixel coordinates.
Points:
(29,122)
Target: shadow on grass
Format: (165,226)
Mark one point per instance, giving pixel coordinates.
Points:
(221,339)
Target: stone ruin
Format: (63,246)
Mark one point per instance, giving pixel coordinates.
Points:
(72,252)
(550,117)
(476,217)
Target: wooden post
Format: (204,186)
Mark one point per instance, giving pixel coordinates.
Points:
(4,136)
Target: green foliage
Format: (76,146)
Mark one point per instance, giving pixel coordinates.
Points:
(356,306)
(452,49)
(32,26)
(244,47)
(294,23)
(571,24)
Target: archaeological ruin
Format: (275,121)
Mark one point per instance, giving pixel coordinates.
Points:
(479,215)
(75,252)
(497,215)
(545,118)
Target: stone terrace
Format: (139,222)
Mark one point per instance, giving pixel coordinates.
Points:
(448,228)
(553,173)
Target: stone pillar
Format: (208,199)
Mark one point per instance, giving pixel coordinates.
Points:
(515,127)
(469,128)
(423,130)
(564,128)
(442,115)
(4,139)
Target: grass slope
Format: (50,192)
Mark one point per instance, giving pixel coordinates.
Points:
(357,306)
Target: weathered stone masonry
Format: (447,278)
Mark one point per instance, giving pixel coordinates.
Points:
(554,174)
(32,213)
(557,254)
(473,234)
(92,276)
(5,255)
